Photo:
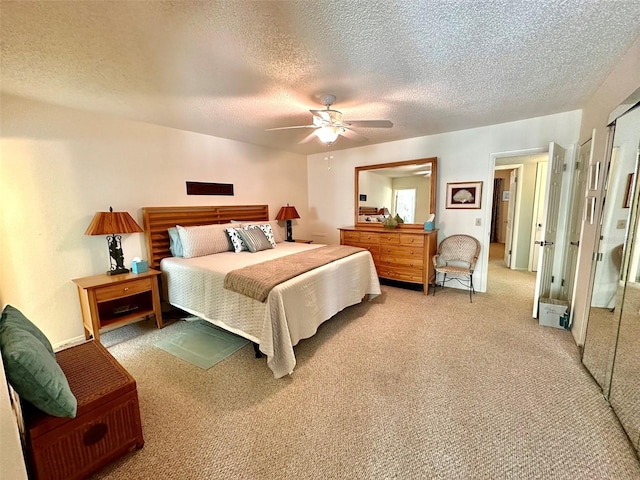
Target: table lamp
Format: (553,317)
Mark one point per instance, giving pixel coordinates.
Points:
(113,224)
(288,213)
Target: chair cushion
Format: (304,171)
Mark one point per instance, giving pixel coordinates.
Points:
(34,373)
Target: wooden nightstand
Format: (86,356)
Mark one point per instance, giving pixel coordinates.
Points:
(116,300)
(300,240)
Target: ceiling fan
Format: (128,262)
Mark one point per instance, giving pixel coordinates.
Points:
(328,124)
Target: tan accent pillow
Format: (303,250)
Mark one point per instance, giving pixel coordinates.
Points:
(204,239)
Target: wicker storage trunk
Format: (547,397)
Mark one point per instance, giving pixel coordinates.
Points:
(107,424)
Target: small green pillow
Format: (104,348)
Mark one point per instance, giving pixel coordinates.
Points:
(34,373)
(12,316)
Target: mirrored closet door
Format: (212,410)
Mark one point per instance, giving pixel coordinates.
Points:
(624,394)
(612,346)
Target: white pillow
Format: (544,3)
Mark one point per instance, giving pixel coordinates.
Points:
(236,240)
(204,239)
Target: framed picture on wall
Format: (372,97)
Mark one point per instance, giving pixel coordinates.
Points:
(464,195)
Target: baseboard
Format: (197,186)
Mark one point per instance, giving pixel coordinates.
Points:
(68,343)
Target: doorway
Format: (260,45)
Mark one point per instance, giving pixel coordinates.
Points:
(513,219)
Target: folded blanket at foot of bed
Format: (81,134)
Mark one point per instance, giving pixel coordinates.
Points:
(256,281)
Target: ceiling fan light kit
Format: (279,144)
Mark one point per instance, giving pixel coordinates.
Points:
(328,124)
(328,135)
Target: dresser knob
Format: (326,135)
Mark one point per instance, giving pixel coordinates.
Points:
(126,288)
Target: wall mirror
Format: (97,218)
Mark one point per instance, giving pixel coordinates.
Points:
(407,188)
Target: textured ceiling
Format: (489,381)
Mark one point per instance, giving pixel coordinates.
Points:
(233,69)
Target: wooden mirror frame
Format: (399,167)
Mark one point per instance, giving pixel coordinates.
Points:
(433,161)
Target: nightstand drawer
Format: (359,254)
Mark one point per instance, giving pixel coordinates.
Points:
(123,289)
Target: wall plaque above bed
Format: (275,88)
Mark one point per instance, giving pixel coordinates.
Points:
(206,188)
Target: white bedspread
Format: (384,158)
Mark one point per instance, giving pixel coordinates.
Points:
(293,310)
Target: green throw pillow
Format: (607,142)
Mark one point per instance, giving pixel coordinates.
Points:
(12,316)
(34,373)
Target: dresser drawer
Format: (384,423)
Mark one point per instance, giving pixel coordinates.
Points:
(123,289)
(370,238)
(348,237)
(407,239)
(389,238)
(403,274)
(404,262)
(401,251)
(374,249)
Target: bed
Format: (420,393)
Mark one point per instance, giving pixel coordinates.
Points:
(372,214)
(292,311)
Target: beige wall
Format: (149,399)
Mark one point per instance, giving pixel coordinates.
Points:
(463,156)
(59,166)
(623,80)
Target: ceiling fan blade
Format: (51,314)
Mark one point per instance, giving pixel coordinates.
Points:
(308,138)
(369,123)
(287,128)
(324,115)
(352,135)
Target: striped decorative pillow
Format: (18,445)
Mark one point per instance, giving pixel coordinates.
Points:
(270,229)
(254,239)
(266,229)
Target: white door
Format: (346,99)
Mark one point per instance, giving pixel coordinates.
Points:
(575,221)
(550,215)
(513,188)
(538,209)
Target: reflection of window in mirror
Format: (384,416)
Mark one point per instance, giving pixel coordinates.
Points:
(405,204)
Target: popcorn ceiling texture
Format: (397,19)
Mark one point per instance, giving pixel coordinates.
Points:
(233,69)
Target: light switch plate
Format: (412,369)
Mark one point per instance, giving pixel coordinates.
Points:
(478,222)
(621,224)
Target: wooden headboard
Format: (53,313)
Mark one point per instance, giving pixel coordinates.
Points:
(368,211)
(156,221)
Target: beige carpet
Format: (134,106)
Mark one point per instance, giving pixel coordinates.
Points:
(406,386)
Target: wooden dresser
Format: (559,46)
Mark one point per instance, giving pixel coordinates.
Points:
(403,255)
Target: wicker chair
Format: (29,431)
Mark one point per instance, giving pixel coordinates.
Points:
(457,256)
